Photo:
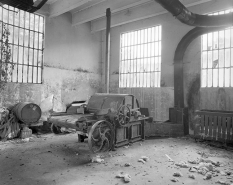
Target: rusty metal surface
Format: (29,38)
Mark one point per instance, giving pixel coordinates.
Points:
(106,109)
(101,101)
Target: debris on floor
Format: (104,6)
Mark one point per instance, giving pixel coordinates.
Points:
(223,182)
(97,159)
(126,177)
(182,164)
(174,180)
(191,176)
(143,159)
(127,164)
(177,174)
(169,158)
(207,176)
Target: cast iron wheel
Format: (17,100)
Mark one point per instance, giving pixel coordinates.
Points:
(123,115)
(56,129)
(101,137)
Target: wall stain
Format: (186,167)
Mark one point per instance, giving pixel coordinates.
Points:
(64,68)
(193,99)
(162,83)
(221,99)
(115,72)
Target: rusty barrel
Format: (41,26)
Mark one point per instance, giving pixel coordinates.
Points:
(27,112)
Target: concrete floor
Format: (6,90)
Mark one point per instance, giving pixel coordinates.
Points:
(59,159)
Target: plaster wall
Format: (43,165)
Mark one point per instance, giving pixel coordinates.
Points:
(72,59)
(159,100)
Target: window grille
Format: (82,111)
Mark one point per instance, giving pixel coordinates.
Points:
(217,57)
(26,41)
(140,58)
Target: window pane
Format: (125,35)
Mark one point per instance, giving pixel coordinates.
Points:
(215,78)
(22,26)
(227,77)
(141,45)
(204,78)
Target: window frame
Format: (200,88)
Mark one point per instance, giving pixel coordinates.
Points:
(137,76)
(26,41)
(219,66)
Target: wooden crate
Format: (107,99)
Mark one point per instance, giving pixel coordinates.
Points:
(214,125)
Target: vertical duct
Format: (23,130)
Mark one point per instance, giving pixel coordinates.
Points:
(107,54)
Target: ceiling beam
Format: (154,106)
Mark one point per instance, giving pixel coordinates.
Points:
(62,6)
(148,10)
(98,11)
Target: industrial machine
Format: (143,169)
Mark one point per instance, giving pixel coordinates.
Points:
(107,120)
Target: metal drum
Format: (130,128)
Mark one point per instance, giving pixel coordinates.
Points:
(27,112)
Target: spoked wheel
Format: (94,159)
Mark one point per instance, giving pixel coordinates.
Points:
(123,115)
(56,129)
(101,137)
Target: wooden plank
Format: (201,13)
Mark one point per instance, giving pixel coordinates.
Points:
(221,114)
(229,125)
(210,127)
(224,122)
(232,130)
(215,128)
(202,124)
(219,128)
(206,125)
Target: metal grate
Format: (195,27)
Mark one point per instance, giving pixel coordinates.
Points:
(217,57)
(140,58)
(26,40)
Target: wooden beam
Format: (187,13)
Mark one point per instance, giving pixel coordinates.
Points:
(98,11)
(144,11)
(60,6)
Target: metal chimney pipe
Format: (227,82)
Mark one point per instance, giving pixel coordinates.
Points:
(177,9)
(107,54)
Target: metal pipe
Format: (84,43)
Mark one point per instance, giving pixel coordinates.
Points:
(107,54)
(177,9)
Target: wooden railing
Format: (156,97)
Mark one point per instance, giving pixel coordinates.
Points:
(214,125)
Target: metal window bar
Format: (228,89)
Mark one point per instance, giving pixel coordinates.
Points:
(223,63)
(21,53)
(140,58)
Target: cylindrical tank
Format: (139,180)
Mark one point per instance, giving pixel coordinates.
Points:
(27,112)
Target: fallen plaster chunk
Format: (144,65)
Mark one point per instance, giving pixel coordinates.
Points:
(97,159)
(207,176)
(192,169)
(127,164)
(120,175)
(191,176)
(145,158)
(141,160)
(127,178)
(193,161)
(174,180)
(177,174)
(182,164)
(223,182)
(223,173)
(210,161)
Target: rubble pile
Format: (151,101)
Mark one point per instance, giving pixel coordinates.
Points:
(203,166)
